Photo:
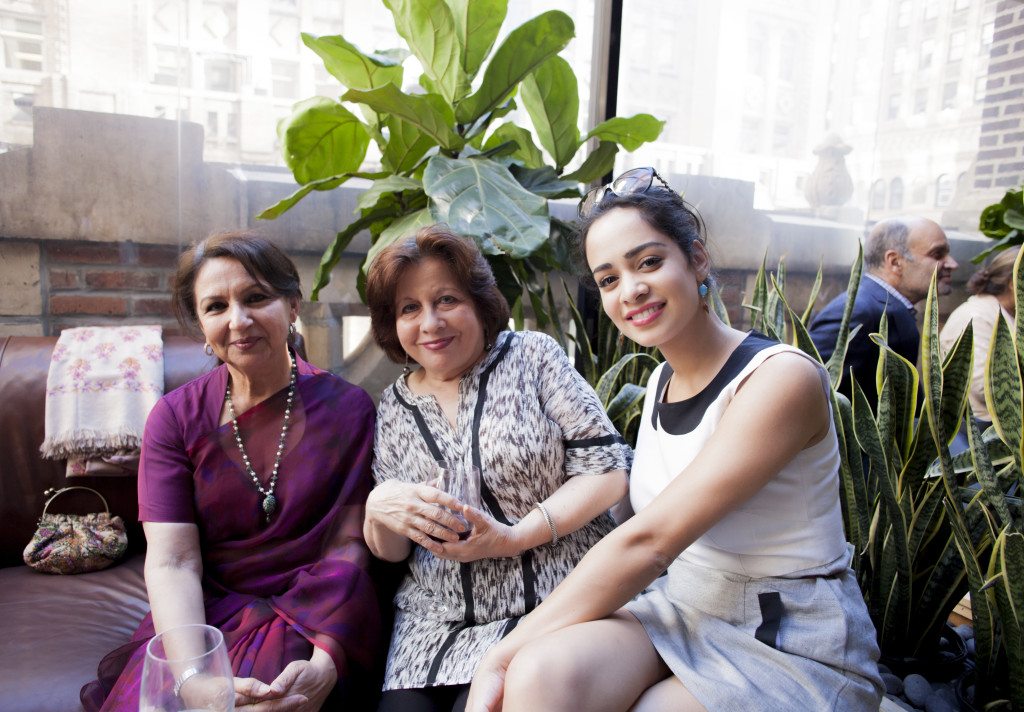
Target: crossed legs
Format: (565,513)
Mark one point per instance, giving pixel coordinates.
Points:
(608,665)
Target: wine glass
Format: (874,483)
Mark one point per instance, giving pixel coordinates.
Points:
(463,483)
(187,670)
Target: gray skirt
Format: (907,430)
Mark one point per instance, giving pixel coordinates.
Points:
(803,642)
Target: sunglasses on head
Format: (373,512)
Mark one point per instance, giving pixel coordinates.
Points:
(635,180)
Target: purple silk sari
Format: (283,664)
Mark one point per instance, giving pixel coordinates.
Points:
(275,589)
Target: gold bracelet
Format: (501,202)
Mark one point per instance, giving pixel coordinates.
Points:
(550,521)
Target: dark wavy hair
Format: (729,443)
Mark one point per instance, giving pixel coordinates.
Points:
(262,259)
(467,265)
(663,209)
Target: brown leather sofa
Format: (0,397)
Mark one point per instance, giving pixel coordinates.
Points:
(55,629)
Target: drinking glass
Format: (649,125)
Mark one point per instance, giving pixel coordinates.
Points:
(463,483)
(187,670)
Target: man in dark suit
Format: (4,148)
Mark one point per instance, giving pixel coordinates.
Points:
(900,255)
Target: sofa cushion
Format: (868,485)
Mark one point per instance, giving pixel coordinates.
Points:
(56,629)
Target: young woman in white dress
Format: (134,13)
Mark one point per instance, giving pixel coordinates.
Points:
(736,492)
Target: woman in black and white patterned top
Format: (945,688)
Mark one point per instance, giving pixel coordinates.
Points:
(508,403)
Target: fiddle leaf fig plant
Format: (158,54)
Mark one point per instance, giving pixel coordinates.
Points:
(449,147)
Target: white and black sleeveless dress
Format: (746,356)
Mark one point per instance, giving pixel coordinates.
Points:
(763,611)
(529,421)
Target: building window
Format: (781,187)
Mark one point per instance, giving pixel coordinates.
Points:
(894,106)
(878,195)
(896,194)
(170,66)
(980,87)
(949,95)
(903,14)
(931,10)
(22,39)
(988,31)
(284,79)
(927,51)
(944,190)
(899,60)
(920,101)
(221,75)
(956,45)
(23,103)
(750,136)
(919,195)
(959,5)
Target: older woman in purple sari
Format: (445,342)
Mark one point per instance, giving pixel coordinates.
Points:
(252,486)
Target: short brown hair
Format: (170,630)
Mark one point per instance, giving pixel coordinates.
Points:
(262,259)
(468,267)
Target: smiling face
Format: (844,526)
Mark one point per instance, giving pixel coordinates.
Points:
(243,320)
(437,321)
(648,286)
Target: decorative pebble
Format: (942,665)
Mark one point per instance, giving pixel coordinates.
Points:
(893,685)
(970,646)
(941,700)
(916,689)
(965,631)
(903,704)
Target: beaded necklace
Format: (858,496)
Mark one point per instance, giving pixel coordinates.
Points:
(269,503)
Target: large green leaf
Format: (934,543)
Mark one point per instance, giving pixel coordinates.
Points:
(479,197)
(598,163)
(835,362)
(1018,283)
(405,145)
(1003,388)
(323,139)
(476,24)
(525,49)
(391,184)
(551,97)
(427,112)
(900,405)
(526,151)
(610,377)
(806,316)
(404,226)
(628,398)
(288,203)
(956,382)
(982,615)
(350,66)
(630,132)
(544,181)
(1008,565)
(429,29)
(334,252)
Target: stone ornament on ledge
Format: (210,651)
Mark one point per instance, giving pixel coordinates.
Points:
(829,186)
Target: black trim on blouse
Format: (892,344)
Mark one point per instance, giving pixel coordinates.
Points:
(681,417)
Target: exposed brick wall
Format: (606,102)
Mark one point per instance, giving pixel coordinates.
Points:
(103,283)
(1000,161)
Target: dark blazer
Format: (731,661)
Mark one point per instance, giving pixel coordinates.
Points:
(862,353)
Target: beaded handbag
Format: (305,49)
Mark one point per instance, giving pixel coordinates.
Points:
(75,543)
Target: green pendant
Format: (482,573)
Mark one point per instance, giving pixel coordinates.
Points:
(269,505)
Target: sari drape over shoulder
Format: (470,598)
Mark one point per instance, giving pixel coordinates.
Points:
(274,589)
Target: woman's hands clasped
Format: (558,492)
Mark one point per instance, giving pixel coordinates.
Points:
(488,539)
(418,512)
(423,514)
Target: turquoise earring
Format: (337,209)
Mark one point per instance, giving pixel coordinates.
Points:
(702,290)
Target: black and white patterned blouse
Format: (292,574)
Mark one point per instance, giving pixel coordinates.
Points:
(529,421)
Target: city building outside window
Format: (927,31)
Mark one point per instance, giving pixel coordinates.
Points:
(896,194)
